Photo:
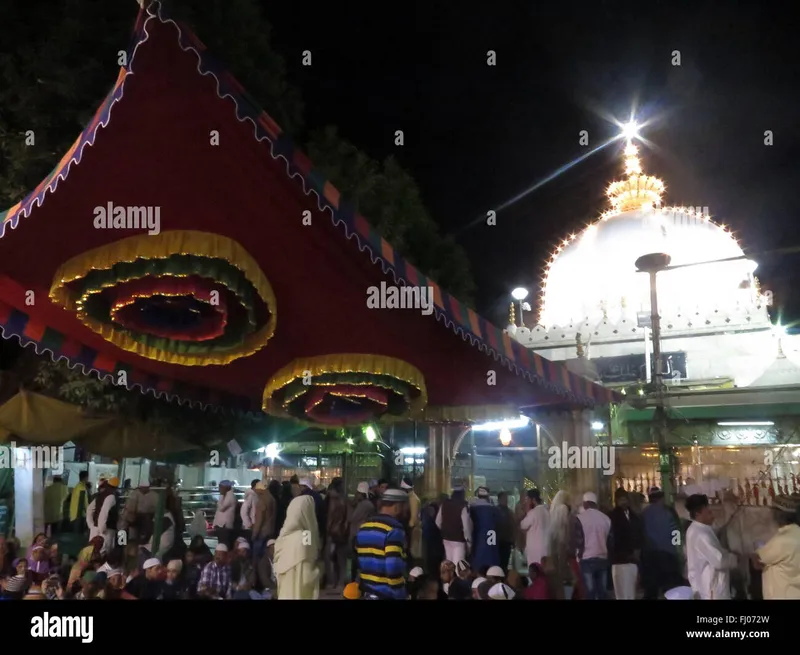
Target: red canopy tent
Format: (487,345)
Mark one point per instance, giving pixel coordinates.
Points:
(253,293)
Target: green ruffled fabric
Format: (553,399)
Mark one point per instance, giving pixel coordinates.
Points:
(240,323)
(180,266)
(399,391)
(298,389)
(237,329)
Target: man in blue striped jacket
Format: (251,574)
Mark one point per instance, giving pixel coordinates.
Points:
(380,548)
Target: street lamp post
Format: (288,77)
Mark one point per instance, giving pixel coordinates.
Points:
(519,294)
(653,264)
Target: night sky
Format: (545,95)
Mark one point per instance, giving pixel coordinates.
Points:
(476,136)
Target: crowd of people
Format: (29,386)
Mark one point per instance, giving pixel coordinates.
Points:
(291,541)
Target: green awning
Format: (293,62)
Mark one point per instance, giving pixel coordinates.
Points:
(718,412)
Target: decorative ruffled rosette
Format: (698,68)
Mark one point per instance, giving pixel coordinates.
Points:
(181,297)
(339,390)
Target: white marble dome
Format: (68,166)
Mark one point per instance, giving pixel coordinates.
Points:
(592,274)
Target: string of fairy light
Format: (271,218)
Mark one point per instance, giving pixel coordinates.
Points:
(636,191)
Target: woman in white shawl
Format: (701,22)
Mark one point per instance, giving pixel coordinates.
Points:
(297,551)
(558,538)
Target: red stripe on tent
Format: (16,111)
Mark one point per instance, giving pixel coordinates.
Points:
(387,252)
(437,294)
(70,348)
(301,162)
(412,275)
(507,346)
(331,194)
(270,125)
(34,329)
(475,323)
(362,226)
(104,363)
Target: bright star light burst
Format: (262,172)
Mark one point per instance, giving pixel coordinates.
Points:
(630,131)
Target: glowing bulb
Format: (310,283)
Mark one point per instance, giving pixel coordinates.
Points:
(505,436)
(272,450)
(519,293)
(370,434)
(630,131)
(350,441)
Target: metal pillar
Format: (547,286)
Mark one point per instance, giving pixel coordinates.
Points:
(652,264)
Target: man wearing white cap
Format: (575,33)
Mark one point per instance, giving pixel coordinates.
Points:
(461,585)
(364,508)
(225,516)
(780,556)
(380,546)
(147,587)
(495,574)
(486,550)
(243,573)
(592,530)
(679,593)
(476,583)
(173,587)
(501,592)
(139,512)
(215,581)
(103,513)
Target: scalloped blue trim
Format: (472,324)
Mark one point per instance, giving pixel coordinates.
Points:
(85,370)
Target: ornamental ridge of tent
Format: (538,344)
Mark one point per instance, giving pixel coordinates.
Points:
(190,219)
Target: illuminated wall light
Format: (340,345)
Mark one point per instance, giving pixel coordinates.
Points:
(494,426)
(413,451)
(597,426)
(745,424)
(505,436)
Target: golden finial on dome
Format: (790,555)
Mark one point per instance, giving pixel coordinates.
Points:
(638,190)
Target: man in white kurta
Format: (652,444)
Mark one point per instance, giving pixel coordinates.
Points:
(709,564)
(225,515)
(779,558)
(535,525)
(104,526)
